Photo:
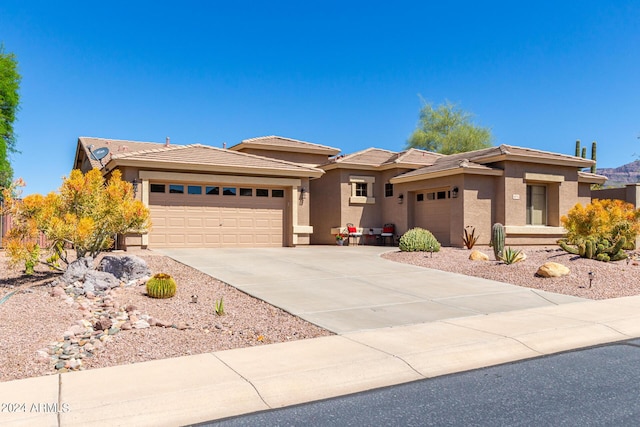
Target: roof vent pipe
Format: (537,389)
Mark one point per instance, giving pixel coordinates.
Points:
(166,142)
(224,145)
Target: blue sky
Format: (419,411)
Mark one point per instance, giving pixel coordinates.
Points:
(344,74)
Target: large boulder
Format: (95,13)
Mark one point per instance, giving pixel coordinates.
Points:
(476,255)
(552,269)
(77,269)
(99,281)
(127,268)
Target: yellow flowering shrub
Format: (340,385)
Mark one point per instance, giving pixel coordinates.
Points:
(86,214)
(602,220)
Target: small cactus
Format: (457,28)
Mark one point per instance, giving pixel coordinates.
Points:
(497,240)
(161,285)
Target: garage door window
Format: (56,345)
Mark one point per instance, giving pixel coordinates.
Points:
(176,189)
(246,192)
(194,189)
(277,193)
(157,188)
(229,191)
(213,191)
(262,192)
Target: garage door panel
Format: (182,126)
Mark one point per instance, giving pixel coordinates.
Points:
(195,222)
(215,221)
(434,215)
(263,223)
(194,239)
(175,239)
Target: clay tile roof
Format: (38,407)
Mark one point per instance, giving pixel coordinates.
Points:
(512,151)
(448,163)
(198,155)
(279,142)
(115,146)
(414,156)
(368,157)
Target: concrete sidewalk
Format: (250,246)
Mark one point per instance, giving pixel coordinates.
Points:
(211,386)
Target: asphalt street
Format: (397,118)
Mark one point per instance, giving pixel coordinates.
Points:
(598,386)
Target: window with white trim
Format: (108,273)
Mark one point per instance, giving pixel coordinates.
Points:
(362,189)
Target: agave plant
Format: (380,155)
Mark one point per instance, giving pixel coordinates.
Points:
(511,256)
(469,239)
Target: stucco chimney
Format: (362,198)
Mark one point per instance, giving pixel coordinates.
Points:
(167,141)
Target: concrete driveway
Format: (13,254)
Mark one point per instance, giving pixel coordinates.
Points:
(347,289)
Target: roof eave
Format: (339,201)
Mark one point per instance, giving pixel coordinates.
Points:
(590,178)
(444,173)
(578,162)
(307,172)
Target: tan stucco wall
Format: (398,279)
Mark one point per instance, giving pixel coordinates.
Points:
(610,193)
(325,208)
(561,196)
(362,215)
(303,205)
(479,204)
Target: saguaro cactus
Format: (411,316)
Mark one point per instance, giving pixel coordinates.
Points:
(497,240)
(577,148)
(593,156)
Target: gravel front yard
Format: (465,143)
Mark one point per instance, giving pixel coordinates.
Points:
(31,320)
(611,280)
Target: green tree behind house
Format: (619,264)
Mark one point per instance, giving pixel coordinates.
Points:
(448,129)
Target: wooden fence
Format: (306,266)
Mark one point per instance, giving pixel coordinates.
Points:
(5,226)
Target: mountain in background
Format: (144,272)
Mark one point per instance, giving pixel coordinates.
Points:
(622,175)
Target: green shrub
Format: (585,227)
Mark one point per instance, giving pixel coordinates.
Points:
(419,240)
(161,285)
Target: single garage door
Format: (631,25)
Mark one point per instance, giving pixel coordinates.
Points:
(197,215)
(432,211)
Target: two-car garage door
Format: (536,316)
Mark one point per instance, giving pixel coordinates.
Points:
(198,215)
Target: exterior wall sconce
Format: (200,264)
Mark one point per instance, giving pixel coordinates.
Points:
(454,193)
(303,191)
(400,198)
(135,183)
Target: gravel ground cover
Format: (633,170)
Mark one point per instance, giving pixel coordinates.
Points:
(31,319)
(611,279)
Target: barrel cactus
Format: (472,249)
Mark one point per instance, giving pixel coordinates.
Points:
(161,285)
(497,240)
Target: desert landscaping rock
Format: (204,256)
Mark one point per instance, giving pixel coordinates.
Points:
(552,269)
(476,255)
(127,268)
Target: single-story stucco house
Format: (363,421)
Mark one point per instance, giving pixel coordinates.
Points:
(275,191)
